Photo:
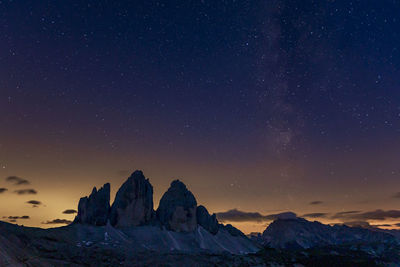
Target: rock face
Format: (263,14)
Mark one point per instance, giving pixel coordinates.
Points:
(133,203)
(94,209)
(207,221)
(232,230)
(177,208)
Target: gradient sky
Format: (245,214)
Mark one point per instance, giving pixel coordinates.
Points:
(260,106)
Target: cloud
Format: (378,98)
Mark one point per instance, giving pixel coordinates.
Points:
(25,217)
(235,215)
(315,215)
(397,224)
(344,214)
(2,190)
(282,216)
(379,215)
(70,211)
(26,192)
(383,225)
(35,203)
(397,195)
(317,202)
(17,180)
(58,221)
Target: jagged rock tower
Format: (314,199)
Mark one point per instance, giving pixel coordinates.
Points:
(177,208)
(207,221)
(94,209)
(133,203)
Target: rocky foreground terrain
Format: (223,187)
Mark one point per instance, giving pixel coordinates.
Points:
(181,233)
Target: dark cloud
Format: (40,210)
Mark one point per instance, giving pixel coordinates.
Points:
(397,195)
(370,215)
(26,192)
(283,215)
(315,215)
(70,211)
(17,180)
(58,221)
(35,203)
(25,217)
(2,190)
(397,224)
(12,220)
(235,215)
(317,202)
(379,215)
(344,214)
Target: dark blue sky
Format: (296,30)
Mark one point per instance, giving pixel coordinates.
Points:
(300,95)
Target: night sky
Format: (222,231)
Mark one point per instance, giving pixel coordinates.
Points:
(259,107)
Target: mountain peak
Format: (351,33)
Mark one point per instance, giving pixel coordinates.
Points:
(94,209)
(137,174)
(177,208)
(133,203)
(178,184)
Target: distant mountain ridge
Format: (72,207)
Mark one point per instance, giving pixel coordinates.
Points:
(299,233)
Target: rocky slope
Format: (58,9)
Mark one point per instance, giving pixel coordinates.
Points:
(87,245)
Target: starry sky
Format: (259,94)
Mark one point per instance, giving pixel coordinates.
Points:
(259,107)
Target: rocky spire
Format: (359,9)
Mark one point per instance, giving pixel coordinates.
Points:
(177,208)
(133,203)
(94,209)
(207,221)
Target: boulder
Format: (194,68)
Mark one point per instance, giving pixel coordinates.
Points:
(133,204)
(207,221)
(94,209)
(177,208)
